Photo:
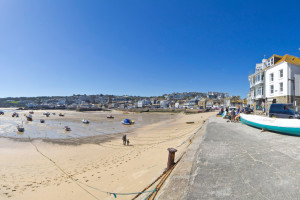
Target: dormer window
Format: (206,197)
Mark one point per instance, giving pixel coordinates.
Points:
(271,62)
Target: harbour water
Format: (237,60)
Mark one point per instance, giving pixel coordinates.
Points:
(53,128)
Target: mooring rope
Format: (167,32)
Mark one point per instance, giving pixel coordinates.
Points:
(115,194)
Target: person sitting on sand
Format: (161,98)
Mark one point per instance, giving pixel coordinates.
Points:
(127,142)
(124,139)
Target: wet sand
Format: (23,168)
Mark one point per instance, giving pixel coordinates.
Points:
(50,169)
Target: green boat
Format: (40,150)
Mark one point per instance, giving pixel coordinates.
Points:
(285,126)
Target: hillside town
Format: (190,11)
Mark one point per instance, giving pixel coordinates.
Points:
(185,100)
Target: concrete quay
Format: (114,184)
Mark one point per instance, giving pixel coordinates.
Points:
(235,161)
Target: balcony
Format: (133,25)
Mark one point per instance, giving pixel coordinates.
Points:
(259,82)
(259,96)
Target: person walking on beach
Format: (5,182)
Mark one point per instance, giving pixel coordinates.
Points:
(124,139)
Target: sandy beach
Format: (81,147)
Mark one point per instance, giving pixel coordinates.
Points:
(87,166)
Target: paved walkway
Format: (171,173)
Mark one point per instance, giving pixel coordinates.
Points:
(235,161)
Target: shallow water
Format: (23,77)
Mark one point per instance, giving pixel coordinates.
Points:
(53,128)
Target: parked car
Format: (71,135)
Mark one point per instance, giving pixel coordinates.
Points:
(283,111)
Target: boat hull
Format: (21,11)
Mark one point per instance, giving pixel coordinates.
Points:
(279,127)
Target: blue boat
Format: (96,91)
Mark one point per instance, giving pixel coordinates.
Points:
(128,122)
(280,125)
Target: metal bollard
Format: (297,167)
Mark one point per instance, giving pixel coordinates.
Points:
(171,158)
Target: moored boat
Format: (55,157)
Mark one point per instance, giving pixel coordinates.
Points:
(28,117)
(46,113)
(110,117)
(128,122)
(67,128)
(20,128)
(285,126)
(85,121)
(189,122)
(15,114)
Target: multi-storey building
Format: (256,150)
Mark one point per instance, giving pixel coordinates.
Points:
(256,81)
(275,80)
(282,80)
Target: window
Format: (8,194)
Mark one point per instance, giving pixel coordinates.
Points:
(271,89)
(281,87)
(257,77)
(272,77)
(259,91)
(281,73)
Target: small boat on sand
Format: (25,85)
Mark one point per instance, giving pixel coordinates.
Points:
(110,117)
(285,126)
(189,122)
(46,113)
(85,121)
(15,114)
(42,121)
(31,112)
(67,128)
(28,117)
(20,128)
(61,115)
(127,122)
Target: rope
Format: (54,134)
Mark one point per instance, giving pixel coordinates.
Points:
(189,138)
(77,181)
(150,194)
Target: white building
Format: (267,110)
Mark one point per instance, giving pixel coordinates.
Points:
(275,80)
(257,85)
(164,104)
(282,80)
(143,103)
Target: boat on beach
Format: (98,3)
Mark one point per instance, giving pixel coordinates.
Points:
(15,114)
(61,115)
(127,122)
(42,121)
(28,117)
(189,122)
(20,128)
(67,128)
(85,121)
(280,125)
(46,113)
(110,117)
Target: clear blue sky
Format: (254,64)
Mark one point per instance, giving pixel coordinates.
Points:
(142,47)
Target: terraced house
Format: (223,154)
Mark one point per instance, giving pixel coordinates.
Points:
(276,80)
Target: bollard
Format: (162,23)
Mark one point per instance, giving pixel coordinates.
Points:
(171,158)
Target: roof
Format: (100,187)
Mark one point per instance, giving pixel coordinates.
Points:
(274,55)
(290,59)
